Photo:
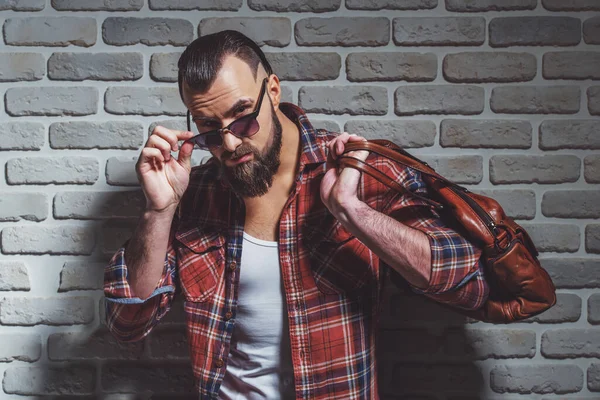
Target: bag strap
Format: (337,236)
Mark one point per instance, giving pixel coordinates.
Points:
(392,151)
(348,161)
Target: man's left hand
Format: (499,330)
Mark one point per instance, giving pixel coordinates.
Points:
(339,187)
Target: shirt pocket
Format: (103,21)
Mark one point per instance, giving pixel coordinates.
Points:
(201,261)
(339,262)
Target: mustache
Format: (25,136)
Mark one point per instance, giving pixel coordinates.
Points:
(240,152)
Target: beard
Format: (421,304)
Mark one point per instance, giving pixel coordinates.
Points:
(254,178)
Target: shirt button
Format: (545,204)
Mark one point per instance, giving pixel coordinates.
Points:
(232,265)
(297,305)
(219,363)
(228,315)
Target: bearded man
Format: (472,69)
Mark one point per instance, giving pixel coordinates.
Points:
(279,255)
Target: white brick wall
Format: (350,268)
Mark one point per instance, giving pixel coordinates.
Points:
(500,95)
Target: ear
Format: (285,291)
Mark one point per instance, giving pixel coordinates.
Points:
(274,91)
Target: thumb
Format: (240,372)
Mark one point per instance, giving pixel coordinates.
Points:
(185,155)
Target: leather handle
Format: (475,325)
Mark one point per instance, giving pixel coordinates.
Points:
(348,161)
(392,151)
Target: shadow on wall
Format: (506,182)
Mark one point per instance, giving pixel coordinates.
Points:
(425,351)
(80,358)
(91,364)
(157,367)
(429,352)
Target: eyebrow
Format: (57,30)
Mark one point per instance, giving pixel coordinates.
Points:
(237,104)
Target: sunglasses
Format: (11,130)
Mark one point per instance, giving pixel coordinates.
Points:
(242,127)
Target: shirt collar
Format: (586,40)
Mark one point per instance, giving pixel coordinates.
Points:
(313,144)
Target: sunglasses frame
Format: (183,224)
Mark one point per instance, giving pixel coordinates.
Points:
(252,116)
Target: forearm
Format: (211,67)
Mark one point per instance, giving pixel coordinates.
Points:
(403,248)
(446,267)
(145,252)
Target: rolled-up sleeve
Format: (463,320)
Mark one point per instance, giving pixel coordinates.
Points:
(457,276)
(128,317)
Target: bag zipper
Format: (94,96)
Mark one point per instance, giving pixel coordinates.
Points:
(489,222)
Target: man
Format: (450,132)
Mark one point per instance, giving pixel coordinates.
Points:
(280,256)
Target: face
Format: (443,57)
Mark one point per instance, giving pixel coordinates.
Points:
(248,164)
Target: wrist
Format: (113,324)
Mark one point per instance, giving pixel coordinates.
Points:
(166,213)
(349,211)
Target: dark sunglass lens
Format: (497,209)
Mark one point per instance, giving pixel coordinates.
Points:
(200,141)
(212,140)
(245,127)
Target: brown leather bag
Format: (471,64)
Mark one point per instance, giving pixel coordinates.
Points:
(519,287)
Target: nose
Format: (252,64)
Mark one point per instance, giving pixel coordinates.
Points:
(230,141)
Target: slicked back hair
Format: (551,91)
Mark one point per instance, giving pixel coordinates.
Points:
(203,58)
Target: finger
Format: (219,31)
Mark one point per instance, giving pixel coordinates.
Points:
(356,138)
(185,155)
(334,146)
(331,147)
(161,144)
(327,183)
(344,137)
(150,155)
(182,136)
(361,155)
(330,163)
(342,140)
(171,136)
(339,147)
(167,135)
(350,177)
(332,151)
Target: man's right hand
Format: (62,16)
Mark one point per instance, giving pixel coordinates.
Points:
(164,179)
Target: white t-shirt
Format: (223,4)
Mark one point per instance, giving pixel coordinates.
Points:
(259,365)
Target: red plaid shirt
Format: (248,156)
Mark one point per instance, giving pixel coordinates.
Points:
(332,281)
